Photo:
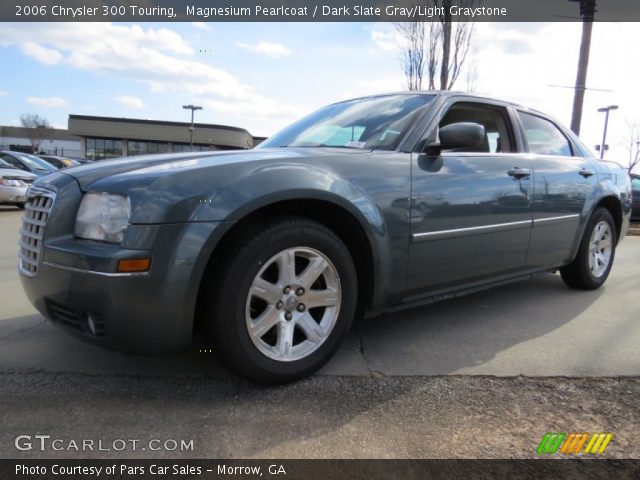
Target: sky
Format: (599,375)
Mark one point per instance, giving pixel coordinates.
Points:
(262,76)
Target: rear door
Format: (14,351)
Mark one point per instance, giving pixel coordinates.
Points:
(470,210)
(562,181)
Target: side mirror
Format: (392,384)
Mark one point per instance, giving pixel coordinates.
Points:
(458,136)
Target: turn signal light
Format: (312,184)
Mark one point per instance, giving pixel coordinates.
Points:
(133,265)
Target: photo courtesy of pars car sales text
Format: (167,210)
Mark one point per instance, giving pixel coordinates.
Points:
(272,469)
(97,471)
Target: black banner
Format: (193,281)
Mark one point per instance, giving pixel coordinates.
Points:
(317,10)
(318,469)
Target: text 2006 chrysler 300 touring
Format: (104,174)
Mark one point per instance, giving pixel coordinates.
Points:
(365,205)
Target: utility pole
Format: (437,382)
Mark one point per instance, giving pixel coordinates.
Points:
(606,111)
(193,108)
(587,12)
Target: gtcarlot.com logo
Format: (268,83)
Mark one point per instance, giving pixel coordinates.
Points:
(572,443)
(43,443)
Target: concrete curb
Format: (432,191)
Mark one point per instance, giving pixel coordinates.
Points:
(634,229)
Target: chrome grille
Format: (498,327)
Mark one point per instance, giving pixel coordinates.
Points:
(34,222)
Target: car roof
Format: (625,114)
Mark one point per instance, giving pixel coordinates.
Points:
(14,152)
(440,93)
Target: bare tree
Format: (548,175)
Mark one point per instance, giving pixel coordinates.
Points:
(633,142)
(440,45)
(35,125)
(472,74)
(413,53)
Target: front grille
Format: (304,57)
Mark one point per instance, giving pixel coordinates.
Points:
(82,322)
(34,222)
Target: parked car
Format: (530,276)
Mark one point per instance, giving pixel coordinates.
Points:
(59,162)
(14,184)
(27,162)
(366,205)
(635,191)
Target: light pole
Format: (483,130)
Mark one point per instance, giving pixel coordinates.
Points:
(606,111)
(193,108)
(587,12)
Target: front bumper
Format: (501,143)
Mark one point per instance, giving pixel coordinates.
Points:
(77,286)
(13,194)
(150,313)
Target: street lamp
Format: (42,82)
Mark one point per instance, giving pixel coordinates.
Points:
(606,111)
(193,108)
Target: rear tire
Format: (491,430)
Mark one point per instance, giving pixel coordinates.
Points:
(283,303)
(592,264)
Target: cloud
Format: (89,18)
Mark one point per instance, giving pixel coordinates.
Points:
(3,93)
(372,86)
(201,25)
(268,49)
(158,58)
(43,55)
(130,102)
(47,102)
(386,38)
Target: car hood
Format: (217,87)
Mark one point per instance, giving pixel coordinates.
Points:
(165,164)
(16,173)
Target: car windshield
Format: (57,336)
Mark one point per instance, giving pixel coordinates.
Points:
(366,123)
(34,163)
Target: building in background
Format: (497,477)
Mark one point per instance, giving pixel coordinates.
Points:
(52,141)
(99,138)
(107,137)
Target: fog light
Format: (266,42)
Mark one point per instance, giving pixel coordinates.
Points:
(92,325)
(133,265)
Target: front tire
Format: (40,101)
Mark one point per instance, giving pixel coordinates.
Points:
(592,264)
(285,301)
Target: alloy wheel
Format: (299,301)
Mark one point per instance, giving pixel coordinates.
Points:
(293,304)
(600,249)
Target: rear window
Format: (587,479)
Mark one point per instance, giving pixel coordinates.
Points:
(543,137)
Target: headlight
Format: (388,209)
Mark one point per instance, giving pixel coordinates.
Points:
(103,216)
(11,183)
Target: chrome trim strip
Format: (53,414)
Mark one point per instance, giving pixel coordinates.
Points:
(497,226)
(551,219)
(94,272)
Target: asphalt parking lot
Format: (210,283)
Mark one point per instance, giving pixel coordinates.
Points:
(399,383)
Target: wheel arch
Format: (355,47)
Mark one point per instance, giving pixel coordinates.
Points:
(614,206)
(347,224)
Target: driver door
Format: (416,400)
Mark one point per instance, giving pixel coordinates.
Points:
(471,213)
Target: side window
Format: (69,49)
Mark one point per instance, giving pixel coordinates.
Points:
(497,138)
(543,137)
(635,184)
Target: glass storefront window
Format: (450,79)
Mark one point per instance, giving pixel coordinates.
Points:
(142,148)
(185,147)
(102,148)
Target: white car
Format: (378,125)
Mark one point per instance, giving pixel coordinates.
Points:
(14,184)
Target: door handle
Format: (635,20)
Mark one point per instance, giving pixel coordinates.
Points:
(519,173)
(586,173)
